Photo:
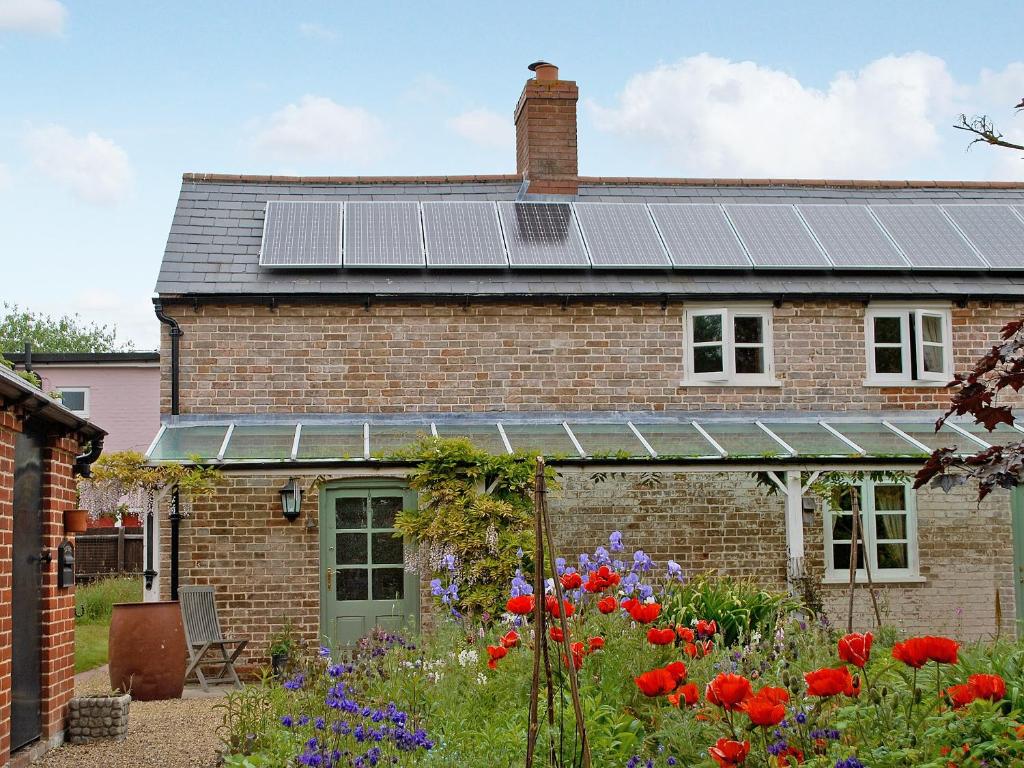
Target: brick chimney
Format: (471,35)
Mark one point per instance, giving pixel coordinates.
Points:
(546,132)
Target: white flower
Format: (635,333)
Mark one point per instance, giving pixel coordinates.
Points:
(467,657)
(481,678)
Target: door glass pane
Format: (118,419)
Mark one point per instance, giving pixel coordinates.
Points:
(931,328)
(887,330)
(748,330)
(888,360)
(707,328)
(385,509)
(350,548)
(350,513)
(890,526)
(707,359)
(386,549)
(889,498)
(388,584)
(892,556)
(351,584)
(749,360)
(933,359)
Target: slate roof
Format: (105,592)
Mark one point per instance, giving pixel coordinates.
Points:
(214,241)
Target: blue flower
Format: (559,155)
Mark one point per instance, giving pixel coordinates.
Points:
(296,682)
(615,541)
(850,762)
(287,721)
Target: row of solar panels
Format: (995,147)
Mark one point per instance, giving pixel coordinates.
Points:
(636,235)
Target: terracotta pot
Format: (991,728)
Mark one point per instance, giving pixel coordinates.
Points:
(131,521)
(147,650)
(76,520)
(102,522)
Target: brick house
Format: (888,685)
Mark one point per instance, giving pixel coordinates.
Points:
(42,447)
(703,329)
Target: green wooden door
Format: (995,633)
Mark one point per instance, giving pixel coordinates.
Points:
(363,582)
(1017,507)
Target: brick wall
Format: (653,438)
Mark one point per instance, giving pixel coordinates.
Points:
(415,356)
(9,426)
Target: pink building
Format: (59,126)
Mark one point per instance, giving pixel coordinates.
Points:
(120,390)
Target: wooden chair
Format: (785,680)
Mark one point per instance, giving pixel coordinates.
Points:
(203,636)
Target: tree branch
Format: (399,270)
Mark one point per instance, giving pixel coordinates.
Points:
(985,132)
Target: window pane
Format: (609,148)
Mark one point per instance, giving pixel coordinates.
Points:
(892,556)
(842,527)
(841,557)
(888,360)
(890,526)
(350,513)
(73,401)
(846,498)
(931,328)
(319,441)
(350,548)
(707,359)
(748,330)
(386,549)
(385,509)
(388,584)
(890,497)
(273,441)
(933,359)
(750,360)
(707,328)
(351,584)
(887,330)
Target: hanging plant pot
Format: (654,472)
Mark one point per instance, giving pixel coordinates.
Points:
(76,520)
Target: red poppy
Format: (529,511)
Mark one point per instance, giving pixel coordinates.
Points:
(665,636)
(572,581)
(601,579)
(551,604)
(677,670)
(643,613)
(510,639)
(855,648)
(706,628)
(578,652)
(685,634)
(912,652)
(606,604)
(685,694)
(705,647)
(960,695)
(690,650)
(774,695)
(789,756)
(521,606)
(728,753)
(988,687)
(496,652)
(763,711)
(595,643)
(829,682)
(941,650)
(657,682)
(729,691)
(556,634)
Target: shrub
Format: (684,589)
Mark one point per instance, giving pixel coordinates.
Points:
(94,602)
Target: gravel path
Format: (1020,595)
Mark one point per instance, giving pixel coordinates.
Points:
(161,734)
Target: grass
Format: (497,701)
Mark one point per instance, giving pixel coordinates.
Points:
(93,604)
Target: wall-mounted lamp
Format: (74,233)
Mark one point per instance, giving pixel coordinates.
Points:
(291,499)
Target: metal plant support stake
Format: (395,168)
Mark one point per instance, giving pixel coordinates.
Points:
(543,536)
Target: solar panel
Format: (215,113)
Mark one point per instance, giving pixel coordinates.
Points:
(542,235)
(620,235)
(851,236)
(383,235)
(926,237)
(995,230)
(774,236)
(463,235)
(301,234)
(698,235)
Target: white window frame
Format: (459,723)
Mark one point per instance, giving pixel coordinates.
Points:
(728,375)
(870,542)
(84,413)
(912,348)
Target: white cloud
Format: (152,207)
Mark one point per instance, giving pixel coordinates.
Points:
(711,116)
(485,128)
(131,313)
(93,168)
(44,17)
(316,31)
(319,129)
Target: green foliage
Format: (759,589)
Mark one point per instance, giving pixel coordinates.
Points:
(47,333)
(739,606)
(284,641)
(476,508)
(90,646)
(30,376)
(94,602)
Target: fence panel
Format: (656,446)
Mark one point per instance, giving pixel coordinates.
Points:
(108,552)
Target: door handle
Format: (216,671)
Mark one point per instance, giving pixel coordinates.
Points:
(330,578)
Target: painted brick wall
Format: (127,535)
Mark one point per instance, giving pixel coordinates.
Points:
(401,356)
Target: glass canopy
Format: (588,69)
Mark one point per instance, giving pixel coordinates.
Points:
(616,438)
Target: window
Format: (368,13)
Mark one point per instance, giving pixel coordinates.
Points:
(729,346)
(907,346)
(888,536)
(76,400)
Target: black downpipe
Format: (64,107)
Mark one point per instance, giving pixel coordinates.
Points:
(83,463)
(150,573)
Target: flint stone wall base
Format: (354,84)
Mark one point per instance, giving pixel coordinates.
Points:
(98,717)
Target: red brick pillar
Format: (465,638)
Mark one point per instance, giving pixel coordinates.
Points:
(9,427)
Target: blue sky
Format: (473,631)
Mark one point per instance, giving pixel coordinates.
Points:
(105,104)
